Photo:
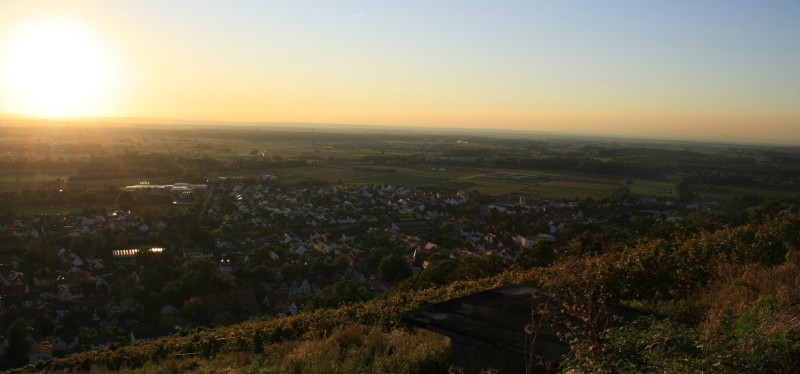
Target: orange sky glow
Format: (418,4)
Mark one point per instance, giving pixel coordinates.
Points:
(720,70)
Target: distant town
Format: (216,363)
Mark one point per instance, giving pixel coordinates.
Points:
(274,245)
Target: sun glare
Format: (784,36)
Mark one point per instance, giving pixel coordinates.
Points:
(55,67)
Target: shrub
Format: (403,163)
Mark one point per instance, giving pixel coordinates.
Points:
(643,346)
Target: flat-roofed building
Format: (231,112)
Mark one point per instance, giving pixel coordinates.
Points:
(177,187)
(125,256)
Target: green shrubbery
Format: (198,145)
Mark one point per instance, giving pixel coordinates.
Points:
(748,343)
(338,294)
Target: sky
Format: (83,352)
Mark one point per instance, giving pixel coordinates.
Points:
(725,70)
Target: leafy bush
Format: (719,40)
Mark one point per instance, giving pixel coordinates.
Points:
(643,346)
(338,294)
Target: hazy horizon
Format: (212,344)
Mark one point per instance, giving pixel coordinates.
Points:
(709,71)
(388,128)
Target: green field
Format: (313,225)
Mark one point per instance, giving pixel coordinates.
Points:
(59,208)
(722,192)
(552,185)
(540,184)
(326,173)
(28,181)
(492,182)
(572,189)
(408,179)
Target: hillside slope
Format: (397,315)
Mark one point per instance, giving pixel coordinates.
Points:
(739,283)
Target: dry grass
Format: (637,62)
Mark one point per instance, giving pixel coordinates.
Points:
(756,289)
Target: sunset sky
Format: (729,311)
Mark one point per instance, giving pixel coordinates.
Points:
(727,69)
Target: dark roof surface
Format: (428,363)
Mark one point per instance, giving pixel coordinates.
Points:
(498,317)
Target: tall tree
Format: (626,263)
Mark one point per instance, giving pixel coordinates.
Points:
(17,353)
(394,268)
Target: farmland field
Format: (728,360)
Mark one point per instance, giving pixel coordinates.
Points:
(326,173)
(510,181)
(28,181)
(546,167)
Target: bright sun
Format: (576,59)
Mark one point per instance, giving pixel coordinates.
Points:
(55,67)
